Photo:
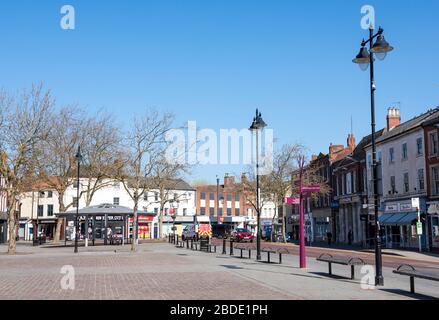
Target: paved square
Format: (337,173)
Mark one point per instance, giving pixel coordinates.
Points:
(160,271)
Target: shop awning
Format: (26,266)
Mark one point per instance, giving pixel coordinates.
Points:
(398,219)
(385,217)
(408,219)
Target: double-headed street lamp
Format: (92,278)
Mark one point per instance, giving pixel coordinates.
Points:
(365,58)
(258,124)
(78,158)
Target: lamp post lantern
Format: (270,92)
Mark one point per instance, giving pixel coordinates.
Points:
(78,158)
(258,124)
(365,58)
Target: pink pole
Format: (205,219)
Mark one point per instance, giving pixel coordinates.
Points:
(302,220)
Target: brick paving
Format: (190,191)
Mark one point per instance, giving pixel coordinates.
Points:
(159,271)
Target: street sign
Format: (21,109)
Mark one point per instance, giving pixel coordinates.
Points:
(292,201)
(415,203)
(311,189)
(419,228)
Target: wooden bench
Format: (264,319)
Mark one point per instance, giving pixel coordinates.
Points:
(345,261)
(410,271)
(280,252)
(243,248)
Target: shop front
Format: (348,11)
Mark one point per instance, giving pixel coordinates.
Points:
(144,227)
(3,227)
(322,223)
(398,225)
(433,224)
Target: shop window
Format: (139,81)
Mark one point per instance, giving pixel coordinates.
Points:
(433,143)
(40,210)
(406,183)
(50,210)
(421,181)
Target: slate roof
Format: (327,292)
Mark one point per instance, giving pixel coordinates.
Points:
(409,125)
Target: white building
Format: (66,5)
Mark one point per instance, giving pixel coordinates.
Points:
(402,176)
(42,206)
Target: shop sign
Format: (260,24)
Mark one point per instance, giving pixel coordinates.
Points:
(415,203)
(391,207)
(335,205)
(419,228)
(405,207)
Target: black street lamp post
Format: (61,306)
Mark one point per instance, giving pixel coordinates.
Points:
(380,48)
(258,124)
(78,158)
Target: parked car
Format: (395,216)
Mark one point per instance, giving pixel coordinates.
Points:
(190,232)
(241,234)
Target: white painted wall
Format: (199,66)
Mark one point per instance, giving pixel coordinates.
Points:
(399,166)
(106,195)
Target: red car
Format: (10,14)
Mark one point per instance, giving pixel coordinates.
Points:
(242,234)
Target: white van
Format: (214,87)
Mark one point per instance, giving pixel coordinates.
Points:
(190,232)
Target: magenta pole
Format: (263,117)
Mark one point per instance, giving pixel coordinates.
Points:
(302,220)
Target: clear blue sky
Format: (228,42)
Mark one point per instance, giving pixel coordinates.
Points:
(215,61)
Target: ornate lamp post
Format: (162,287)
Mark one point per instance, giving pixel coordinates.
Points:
(365,58)
(78,158)
(258,124)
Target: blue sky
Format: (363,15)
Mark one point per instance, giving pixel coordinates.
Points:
(215,61)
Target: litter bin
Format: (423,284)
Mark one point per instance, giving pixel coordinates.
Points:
(204,244)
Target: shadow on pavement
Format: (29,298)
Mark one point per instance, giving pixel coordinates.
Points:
(231,267)
(410,295)
(333,276)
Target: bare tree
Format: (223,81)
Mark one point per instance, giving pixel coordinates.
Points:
(166,180)
(57,161)
(24,125)
(280,179)
(101,154)
(143,147)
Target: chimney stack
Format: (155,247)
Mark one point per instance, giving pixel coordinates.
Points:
(351,143)
(393,118)
(229,180)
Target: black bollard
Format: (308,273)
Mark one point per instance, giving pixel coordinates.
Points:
(192,244)
(224,246)
(187,243)
(178,242)
(231,247)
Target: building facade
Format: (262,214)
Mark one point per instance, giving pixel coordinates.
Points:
(229,205)
(402,162)
(431,134)
(350,196)
(41,206)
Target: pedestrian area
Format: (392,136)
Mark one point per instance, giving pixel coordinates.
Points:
(160,271)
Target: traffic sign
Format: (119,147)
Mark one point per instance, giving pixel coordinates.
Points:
(311,189)
(415,203)
(292,201)
(419,228)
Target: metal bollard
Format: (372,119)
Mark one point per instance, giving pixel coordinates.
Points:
(178,242)
(231,247)
(187,243)
(224,246)
(192,244)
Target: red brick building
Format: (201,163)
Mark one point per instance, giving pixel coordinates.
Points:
(431,141)
(224,203)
